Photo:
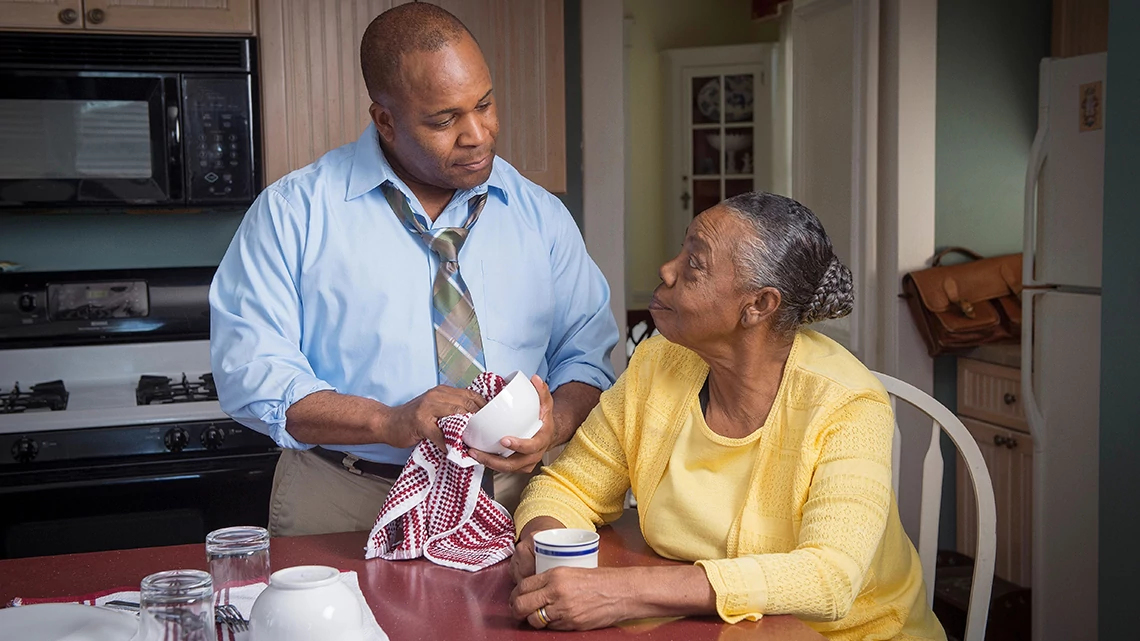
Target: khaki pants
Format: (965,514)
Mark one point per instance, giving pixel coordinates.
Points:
(314,496)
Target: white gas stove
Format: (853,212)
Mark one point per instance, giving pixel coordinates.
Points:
(111,434)
(106,386)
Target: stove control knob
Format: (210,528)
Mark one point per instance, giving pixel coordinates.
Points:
(176,439)
(213,438)
(26,303)
(25,449)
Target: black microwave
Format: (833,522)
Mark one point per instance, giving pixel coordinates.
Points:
(127,121)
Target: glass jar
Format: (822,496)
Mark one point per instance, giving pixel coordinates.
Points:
(177,605)
(238,556)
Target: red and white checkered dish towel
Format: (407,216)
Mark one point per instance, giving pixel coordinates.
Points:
(436,509)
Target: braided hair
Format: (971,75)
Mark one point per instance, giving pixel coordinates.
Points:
(790,251)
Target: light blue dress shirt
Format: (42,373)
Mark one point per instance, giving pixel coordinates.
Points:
(324,288)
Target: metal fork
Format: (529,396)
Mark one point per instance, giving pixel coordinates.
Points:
(227,614)
(231,616)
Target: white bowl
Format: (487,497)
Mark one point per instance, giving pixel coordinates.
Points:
(306,603)
(514,412)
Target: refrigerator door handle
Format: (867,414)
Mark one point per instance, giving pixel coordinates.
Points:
(1028,398)
(1037,156)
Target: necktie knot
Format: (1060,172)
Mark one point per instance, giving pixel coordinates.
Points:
(447,242)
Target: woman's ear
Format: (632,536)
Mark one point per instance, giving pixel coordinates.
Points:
(761,307)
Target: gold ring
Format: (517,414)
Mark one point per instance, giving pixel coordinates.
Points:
(542,616)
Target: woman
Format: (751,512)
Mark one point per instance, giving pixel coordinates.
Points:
(757,449)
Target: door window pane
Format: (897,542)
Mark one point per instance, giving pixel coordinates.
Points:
(706,100)
(737,186)
(706,152)
(738,153)
(706,194)
(738,98)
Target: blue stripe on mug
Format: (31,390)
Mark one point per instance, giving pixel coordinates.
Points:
(563,553)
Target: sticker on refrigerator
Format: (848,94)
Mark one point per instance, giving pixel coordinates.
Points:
(1092,106)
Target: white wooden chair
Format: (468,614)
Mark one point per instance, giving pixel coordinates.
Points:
(984,556)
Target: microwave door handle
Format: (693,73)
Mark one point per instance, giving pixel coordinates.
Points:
(175,125)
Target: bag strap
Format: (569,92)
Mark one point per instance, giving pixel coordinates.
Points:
(937,260)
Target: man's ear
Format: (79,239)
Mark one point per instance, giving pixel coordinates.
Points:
(760,307)
(384,120)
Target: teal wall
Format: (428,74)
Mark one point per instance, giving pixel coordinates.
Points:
(1119,565)
(988,55)
(52,242)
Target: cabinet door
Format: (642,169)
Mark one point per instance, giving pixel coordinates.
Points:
(1009,457)
(192,16)
(1079,27)
(41,14)
(314,99)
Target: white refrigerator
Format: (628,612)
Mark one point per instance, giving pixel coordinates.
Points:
(1060,347)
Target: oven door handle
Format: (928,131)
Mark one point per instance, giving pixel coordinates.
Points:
(116,476)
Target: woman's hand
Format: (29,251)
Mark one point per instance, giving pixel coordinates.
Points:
(576,598)
(522,563)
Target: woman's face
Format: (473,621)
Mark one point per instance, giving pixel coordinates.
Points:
(699,301)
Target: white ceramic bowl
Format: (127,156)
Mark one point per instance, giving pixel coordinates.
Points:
(514,412)
(306,603)
(565,547)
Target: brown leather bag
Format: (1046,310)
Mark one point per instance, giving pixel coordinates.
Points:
(957,307)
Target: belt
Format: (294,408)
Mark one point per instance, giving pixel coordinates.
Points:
(357,465)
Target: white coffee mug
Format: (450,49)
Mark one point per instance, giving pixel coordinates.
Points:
(513,412)
(565,547)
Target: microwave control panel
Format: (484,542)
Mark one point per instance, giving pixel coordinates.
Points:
(218,140)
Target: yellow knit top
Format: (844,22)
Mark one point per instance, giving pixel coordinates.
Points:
(818,534)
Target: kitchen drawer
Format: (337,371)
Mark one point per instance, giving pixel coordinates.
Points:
(991,393)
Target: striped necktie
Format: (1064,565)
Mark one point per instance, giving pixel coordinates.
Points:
(458,345)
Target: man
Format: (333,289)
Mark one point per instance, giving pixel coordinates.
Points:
(362,293)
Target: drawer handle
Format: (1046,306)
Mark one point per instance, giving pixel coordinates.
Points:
(96,16)
(68,16)
(1009,398)
(1005,441)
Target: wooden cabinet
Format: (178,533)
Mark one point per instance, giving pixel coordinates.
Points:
(1079,27)
(989,406)
(45,14)
(165,16)
(314,99)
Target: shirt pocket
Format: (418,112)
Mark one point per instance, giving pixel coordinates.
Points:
(519,303)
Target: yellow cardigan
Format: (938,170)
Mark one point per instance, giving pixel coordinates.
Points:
(819,534)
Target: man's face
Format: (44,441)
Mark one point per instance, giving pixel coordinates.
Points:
(440,122)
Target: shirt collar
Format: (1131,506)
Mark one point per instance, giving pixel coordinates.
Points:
(370,169)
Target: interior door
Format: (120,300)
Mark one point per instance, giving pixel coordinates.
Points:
(831,48)
(721,128)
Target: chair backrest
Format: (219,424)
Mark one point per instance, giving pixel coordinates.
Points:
(932,470)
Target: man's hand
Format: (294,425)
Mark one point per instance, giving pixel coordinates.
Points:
(528,451)
(418,419)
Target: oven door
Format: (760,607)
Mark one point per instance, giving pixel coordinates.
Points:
(87,138)
(120,504)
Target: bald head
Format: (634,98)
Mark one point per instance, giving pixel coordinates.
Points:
(403,29)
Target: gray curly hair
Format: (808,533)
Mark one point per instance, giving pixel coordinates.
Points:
(789,250)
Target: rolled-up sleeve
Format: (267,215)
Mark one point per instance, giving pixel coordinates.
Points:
(584,328)
(255,320)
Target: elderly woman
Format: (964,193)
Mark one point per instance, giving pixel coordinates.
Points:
(759,450)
